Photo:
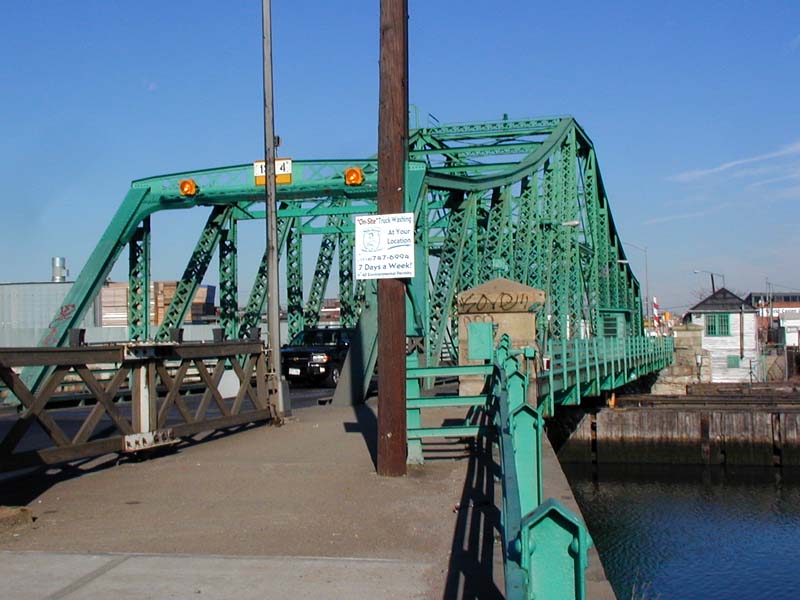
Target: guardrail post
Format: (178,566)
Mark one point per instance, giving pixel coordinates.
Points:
(551,396)
(143,409)
(554,553)
(526,428)
(413,416)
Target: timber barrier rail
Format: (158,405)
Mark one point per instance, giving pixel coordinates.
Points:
(142,405)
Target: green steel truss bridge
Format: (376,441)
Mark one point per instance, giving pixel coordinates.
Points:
(521,199)
(518,199)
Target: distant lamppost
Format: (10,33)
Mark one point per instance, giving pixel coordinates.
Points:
(648,305)
(713,286)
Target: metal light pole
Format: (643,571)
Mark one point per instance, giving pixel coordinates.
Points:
(273,297)
(648,306)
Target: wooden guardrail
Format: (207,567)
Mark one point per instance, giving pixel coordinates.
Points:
(143,404)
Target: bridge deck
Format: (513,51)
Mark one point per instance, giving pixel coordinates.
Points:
(296,510)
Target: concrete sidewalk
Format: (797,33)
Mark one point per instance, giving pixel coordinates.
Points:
(50,575)
(307,489)
(269,512)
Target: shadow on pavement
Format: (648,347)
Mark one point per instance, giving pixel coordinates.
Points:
(471,569)
(367,425)
(18,488)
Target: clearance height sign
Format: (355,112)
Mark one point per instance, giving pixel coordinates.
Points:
(384,246)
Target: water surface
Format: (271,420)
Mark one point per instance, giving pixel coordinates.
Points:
(680,533)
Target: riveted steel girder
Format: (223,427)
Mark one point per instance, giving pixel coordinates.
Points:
(294,277)
(139,283)
(229,281)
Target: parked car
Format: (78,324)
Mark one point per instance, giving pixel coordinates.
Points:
(316,355)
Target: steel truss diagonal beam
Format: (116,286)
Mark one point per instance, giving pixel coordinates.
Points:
(451,256)
(322,270)
(258,294)
(229,281)
(495,261)
(350,302)
(294,277)
(195,271)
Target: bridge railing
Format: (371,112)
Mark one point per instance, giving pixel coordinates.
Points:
(145,403)
(545,546)
(587,367)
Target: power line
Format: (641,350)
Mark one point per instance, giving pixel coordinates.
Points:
(788,288)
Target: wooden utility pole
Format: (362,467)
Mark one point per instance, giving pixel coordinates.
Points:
(392,153)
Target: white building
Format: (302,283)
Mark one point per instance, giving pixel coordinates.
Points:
(730,335)
(790,321)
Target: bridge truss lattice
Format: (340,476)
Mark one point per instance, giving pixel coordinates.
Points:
(521,199)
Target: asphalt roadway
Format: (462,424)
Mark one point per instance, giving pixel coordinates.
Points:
(266,512)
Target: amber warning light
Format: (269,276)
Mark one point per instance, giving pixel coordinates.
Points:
(353,176)
(188,187)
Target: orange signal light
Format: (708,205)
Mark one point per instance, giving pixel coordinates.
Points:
(353,176)
(188,187)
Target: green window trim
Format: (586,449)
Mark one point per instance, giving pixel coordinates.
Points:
(733,361)
(718,324)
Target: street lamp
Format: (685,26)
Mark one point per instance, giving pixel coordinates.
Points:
(647,307)
(713,287)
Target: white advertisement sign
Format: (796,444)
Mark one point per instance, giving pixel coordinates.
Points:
(384,246)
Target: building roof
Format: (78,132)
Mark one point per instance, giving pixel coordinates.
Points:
(722,300)
(789,298)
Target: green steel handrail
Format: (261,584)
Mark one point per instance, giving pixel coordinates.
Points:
(590,366)
(545,546)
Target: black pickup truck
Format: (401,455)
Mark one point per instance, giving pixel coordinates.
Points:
(316,356)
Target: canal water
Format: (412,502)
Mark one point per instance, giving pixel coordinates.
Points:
(684,533)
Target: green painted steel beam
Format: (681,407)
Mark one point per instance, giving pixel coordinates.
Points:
(139,288)
(445,401)
(229,281)
(310,179)
(322,271)
(489,129)
(457,153)
(306,229)
(454,371)
(447,432)
(528,165)
(326,210)
(259,292)
(294,278)
(469,169)
(194,272)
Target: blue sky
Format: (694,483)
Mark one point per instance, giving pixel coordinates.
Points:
(694,108)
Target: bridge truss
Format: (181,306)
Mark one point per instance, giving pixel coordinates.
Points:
(521,199)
